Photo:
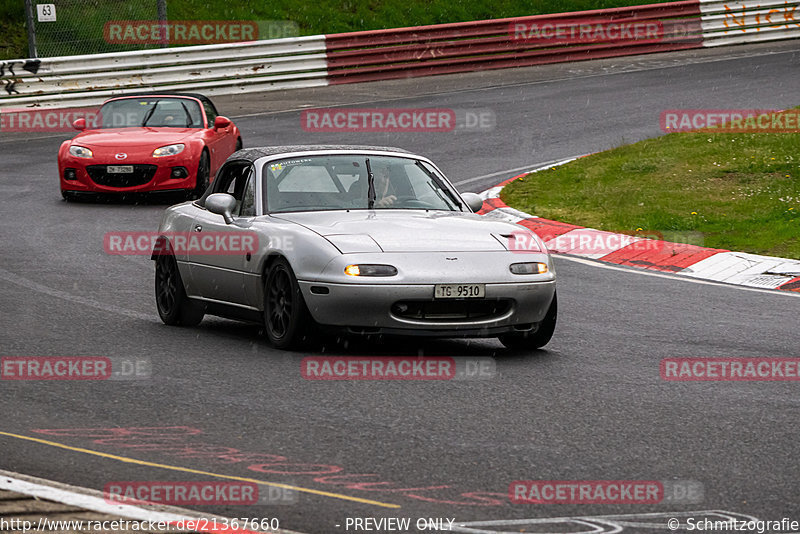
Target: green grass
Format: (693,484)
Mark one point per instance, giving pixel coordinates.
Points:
(81,31)
(13,39)
(736,191)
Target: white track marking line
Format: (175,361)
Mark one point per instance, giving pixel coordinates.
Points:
(617,522)
(526,168)
(534,167)
(95,501)
(85,500)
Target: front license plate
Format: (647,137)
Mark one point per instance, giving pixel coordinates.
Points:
(120,169)
(459,291)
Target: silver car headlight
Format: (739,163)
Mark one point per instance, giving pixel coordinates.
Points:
(80,151)
(533,267)
(169,150)
(370,270)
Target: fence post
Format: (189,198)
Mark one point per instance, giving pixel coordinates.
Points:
(29,22)
(162,19)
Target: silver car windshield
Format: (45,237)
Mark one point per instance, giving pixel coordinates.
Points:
(153,112)
(342,182)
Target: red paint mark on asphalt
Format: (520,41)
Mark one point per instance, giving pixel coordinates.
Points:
(174,441)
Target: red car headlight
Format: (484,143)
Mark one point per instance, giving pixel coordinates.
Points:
(169,150)
(80,151)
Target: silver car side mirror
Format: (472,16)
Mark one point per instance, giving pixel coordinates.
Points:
(221,204)
(474,202)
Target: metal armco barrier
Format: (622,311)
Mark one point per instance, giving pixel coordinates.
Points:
(212,69)
(727,23)
(494,44)
(397,53)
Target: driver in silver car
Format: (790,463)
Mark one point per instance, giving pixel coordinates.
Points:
(383,187)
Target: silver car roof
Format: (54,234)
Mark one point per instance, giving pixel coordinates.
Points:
(256,153)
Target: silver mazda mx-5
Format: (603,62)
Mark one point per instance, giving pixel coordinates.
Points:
(368,240)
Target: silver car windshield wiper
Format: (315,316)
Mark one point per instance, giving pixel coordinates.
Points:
(439,194)
(433,177)
(370,186)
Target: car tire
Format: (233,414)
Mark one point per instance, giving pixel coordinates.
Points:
(537,338)
(287,322)
(203,175)
(174,307)
(239,144)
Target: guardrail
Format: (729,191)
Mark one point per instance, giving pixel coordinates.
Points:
(731,22)
(398,53)
(520,41)
(213,69)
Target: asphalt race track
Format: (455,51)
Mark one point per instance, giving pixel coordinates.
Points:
(592,406)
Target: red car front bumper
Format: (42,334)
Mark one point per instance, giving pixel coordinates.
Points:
(138,172)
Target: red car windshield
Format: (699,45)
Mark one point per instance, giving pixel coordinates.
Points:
(160,112)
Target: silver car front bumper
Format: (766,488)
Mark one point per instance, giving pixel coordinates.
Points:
(375,307)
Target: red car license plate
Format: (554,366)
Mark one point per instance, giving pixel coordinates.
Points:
(119,169)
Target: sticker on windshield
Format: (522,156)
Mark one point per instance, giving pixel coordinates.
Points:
(275,167)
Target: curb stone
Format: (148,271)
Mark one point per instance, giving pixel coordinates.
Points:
(719,265)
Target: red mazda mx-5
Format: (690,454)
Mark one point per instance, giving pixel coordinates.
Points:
(153,142)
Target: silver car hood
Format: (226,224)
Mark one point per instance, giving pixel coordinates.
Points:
(404,230)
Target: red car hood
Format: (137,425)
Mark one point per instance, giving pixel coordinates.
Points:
(133,137)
